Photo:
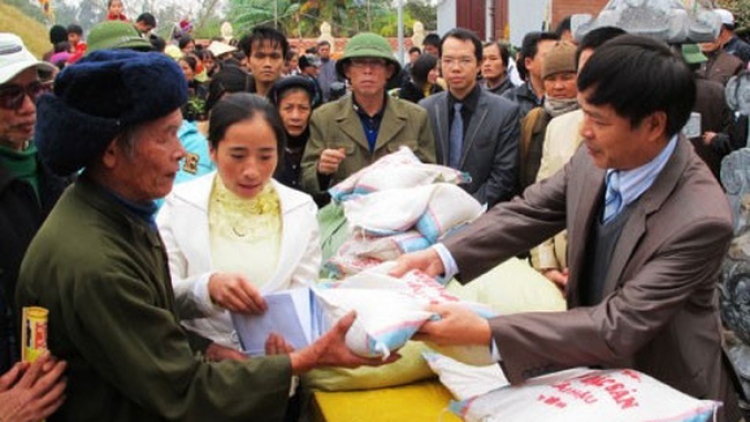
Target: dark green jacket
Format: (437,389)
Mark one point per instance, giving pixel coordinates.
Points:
(102,273)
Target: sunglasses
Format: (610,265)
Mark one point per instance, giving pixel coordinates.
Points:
(12,96)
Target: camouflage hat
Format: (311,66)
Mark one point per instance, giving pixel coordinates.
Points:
(116,35)
(367,45)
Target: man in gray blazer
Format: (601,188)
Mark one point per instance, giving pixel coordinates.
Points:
(648,227)
(482,139)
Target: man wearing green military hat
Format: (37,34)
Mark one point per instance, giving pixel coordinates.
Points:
(353,132)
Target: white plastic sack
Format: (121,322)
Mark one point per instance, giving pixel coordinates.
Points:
(585,395)
(433,210)
(389,310)
(465,381)
(401,169)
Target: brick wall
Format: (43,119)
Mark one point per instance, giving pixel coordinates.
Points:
(563,8)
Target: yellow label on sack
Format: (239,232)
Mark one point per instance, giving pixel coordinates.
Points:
(33,333)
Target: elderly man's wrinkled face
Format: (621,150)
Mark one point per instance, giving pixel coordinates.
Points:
(17,108)
(147,171)
(368,76)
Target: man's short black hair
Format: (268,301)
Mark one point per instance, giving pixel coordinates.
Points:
(261,34)
(157,43)
(639,76)
(529,48)
(323,42)
(415,49)
(503,49)
(431,39)
(596,37)
(147,18)
(463,35)
(563,26)
(74,28)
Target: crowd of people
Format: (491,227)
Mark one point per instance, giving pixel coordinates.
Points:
(149,188)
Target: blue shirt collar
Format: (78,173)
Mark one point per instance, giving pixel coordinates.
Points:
(633,183)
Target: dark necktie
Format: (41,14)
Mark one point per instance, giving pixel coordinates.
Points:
(456,137)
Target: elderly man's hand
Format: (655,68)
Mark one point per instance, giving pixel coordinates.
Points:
(331,350)
(30,393)
(330,159)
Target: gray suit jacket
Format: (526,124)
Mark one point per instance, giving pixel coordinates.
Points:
(490,148)
(659,314)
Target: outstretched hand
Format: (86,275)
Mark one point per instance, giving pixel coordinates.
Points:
(331,350)
(457,325)
(427,261)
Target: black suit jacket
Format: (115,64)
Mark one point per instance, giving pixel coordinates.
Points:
(490,148)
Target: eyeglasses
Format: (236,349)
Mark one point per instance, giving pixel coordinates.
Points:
(12,96)
(462,62)
(371,63)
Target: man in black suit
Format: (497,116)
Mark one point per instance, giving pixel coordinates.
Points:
(475,131)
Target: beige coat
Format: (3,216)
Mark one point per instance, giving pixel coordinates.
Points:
(560,143)
(337,125)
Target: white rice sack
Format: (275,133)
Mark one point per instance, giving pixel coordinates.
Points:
(586,395)
(465,381)
(449,207)
(401,169)
(386,319)
(389,310)
(433,210)
(388,212)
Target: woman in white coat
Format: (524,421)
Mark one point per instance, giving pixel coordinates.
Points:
(236,234)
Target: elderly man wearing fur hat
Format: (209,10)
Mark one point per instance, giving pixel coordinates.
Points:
(28,190)
(99,266)
(353,132)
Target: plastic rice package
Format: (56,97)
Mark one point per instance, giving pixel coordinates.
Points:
(587,395)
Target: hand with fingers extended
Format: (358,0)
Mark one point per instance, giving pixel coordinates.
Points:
(330,159)
(236,293)
(331,350)
(427,261)
(458,325)
(32,392)
(276,345)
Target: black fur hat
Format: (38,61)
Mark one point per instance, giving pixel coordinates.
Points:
(95,99)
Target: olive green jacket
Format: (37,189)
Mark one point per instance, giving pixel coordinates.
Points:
(337,125)
(102,272)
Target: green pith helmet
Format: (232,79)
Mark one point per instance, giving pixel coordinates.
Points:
(116,34)
(368,45)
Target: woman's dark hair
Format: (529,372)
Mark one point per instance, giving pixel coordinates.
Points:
(184,41)
(190,60)
(229,79)
(57,34)
(157,43)
(421,68)
(240,107)
(638,76)
(284,86)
